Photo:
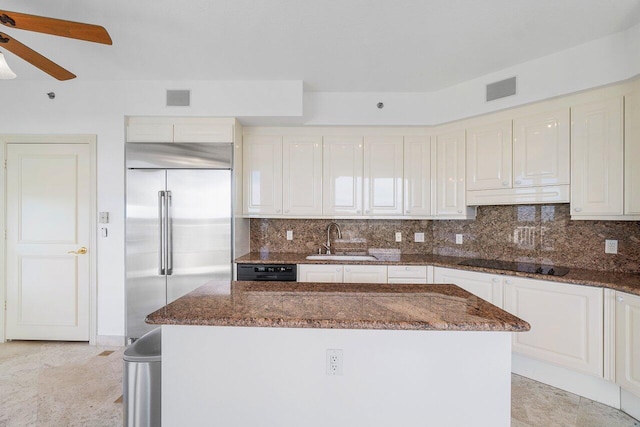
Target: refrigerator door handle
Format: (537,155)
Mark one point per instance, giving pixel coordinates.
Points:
(169,234)
(161,252)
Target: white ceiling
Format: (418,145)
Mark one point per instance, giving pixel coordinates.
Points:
(331,45)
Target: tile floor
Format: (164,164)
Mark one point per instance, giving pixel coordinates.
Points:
(73,384)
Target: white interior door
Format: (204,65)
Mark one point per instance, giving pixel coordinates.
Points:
(48,218)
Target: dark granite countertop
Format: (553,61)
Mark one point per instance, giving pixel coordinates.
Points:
(337,306)
(625,282)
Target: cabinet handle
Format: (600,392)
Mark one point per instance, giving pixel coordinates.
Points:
(367,211)
(518,182)
(577,209)
(286,211)
(408,211)
(277,210)
(620,299)
(505,183)
(358,211)
(508,282)
(347,270)
(494,280)
(459,210)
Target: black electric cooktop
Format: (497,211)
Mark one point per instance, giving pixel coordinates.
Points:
(523,267)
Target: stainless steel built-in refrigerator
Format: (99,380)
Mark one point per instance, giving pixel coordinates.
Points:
(178,224)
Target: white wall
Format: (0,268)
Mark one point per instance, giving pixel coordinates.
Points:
(597,63)
(99,107)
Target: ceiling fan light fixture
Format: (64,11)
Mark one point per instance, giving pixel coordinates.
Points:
(5,72)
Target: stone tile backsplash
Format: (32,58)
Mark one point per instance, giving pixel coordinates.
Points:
(531,233)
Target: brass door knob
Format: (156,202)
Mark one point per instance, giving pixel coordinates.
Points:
(80,251)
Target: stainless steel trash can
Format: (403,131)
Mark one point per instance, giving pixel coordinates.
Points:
(141,381)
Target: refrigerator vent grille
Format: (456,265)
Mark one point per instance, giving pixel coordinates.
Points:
(178,98)
(501,89)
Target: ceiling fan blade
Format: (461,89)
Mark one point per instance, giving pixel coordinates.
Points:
(56,27)
(34,58)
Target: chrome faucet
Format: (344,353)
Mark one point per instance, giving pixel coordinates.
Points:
(328,244)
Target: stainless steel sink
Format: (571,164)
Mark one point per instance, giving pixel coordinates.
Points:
(324,257)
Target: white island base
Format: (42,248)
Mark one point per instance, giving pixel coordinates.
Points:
(265,376)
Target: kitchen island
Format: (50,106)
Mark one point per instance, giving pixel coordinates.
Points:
(318,354)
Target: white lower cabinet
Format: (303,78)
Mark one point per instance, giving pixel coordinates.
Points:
(365,274)
(324,273)
(628,342)
(335,273)
(567,326)
(408,274)
(486,286)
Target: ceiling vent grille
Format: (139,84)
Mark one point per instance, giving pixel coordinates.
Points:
(501,89)
(178,98)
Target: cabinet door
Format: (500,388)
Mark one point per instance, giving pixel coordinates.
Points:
(321,273)
(262,181)
(342,176)
(567,326)
(489,156)
(202,132)
(383,175)
(597,158)
(417,176)
(302,176)
(628,342)
(365,274)
(632,153)
(149,129)
(450,172)
(486,286)
(407,274)
(541,149)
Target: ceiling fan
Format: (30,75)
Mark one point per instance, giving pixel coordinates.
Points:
(56,27)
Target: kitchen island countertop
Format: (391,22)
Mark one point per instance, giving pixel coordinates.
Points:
(337,306)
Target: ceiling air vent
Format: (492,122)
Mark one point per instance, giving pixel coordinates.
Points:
(501,89)
(178,98)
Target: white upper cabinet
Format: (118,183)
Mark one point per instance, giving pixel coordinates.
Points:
(342,175)
(262,178)
(302,176)
(632,153)
(489,155)
(528,165)
(597,151)
(450,175)
(541,149)
(383,175)
(180,129)
(417,176)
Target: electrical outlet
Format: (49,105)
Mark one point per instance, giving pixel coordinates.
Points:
(398,236)
(610,246)
(334,361)
(418,237)
(289,234)
(458,239)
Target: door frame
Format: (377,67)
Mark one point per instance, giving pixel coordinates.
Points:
(91,140)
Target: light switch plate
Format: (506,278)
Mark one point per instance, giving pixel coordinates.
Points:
(289,234)
(418,237)
(458,239)
(398,236)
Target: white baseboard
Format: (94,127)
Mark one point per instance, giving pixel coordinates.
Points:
(585,385)
(630,403)
(110,340)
